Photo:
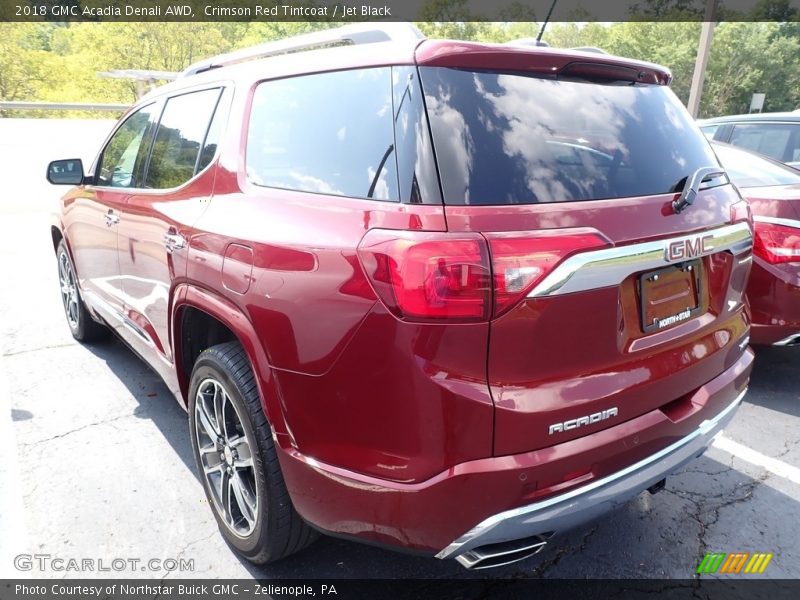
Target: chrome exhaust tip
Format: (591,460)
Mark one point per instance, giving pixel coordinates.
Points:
(502,553)
(792,340)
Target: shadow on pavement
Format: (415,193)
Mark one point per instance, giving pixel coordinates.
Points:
(775,382)
(156,402)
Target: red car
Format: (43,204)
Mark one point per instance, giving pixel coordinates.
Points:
(773,191)
(445,296)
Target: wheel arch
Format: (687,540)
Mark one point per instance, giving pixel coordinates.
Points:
(217,320)
(57,235)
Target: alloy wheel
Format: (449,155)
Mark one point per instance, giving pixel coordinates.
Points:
(69,290)
(226,458)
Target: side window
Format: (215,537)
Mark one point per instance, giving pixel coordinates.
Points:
(709,131)
(330,133)
(765,138)
(416,166)
(179,138)
(214,131)
(793,150)
(123,159)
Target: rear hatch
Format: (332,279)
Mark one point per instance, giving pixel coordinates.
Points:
(608,301)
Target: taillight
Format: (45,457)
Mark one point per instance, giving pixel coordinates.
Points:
(741,211)
(776,243)
(522,260)
(424,276)
(449,276)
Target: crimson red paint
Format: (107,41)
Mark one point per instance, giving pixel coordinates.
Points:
(417,326)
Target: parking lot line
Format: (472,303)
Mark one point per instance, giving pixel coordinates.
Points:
(773,465)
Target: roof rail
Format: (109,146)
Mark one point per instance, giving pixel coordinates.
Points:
(355,34)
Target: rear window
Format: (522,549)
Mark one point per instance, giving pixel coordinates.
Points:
(515,139)
(748,170)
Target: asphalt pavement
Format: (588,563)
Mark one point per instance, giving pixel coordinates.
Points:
(96,463)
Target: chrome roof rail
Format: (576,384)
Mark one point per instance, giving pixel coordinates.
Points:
(355,34)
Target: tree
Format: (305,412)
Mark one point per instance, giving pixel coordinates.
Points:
(60,62)
(747,58)
(25,67)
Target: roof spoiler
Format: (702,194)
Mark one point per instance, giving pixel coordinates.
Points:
(527,42)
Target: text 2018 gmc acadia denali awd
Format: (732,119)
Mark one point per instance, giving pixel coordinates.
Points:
(446,296)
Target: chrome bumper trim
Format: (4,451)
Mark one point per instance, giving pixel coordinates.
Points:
(582,504)
(611,266)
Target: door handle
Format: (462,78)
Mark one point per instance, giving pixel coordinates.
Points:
(111,218)
(174,241)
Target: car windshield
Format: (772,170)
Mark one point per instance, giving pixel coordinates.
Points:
(748,169)
(505,138)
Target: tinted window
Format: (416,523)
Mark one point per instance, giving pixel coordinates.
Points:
(179,138)
(416,166)
(329,133)
(516,139)
(214,131)
(709,131)
(780,141)
(123,160)
(748,170)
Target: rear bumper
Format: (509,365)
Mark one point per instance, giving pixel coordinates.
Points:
(563,512)
(518,495)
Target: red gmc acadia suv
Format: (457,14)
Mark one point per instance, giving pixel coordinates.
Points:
(439,295)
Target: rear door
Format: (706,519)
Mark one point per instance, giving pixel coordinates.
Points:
(609,303)
(158,216)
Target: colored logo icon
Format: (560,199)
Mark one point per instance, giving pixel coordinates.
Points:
(734,562)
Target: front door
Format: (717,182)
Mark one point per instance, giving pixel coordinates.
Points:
(92,221)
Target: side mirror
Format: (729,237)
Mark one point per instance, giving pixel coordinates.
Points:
(65,172)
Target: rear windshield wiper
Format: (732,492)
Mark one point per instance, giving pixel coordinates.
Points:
(693,185)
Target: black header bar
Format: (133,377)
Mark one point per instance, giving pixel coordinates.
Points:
(345,11)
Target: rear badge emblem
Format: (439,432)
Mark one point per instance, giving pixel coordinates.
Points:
(687,248)
(583,421)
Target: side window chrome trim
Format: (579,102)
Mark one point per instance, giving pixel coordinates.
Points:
(611,266)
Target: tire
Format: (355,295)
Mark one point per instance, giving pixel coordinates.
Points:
(81,324)
(255,515)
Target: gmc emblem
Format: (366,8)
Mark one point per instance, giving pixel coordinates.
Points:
(688,248)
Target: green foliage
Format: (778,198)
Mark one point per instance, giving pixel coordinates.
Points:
(61,62)
(745,58)
(24,65)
